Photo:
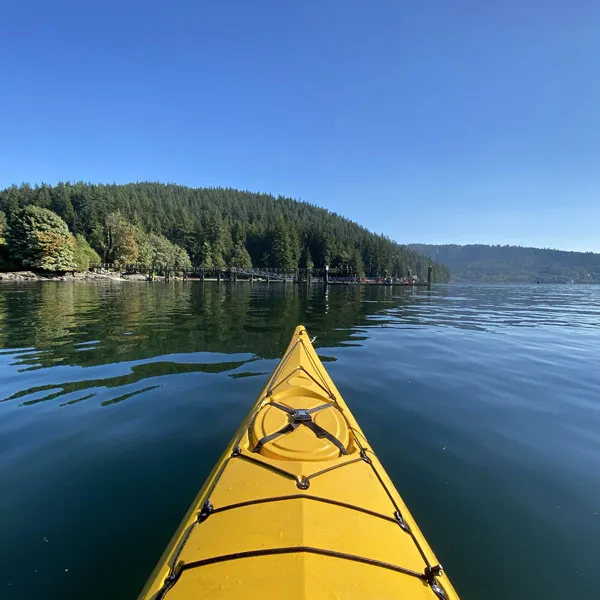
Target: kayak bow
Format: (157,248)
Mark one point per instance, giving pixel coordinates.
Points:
(298,507)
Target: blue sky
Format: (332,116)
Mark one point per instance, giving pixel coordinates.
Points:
(432,121)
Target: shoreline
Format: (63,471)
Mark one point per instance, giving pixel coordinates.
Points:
(88,276)
(76,276)
(12,276)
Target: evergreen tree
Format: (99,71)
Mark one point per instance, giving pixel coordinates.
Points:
(238,235)
(206,260)
(43,197)
(306,260)
(356,263)
(218,236)
(240,257)
(60,203)
(281,254)
(255,243)
(274,231)
(12,199)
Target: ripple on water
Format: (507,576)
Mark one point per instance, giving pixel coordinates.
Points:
(482,401)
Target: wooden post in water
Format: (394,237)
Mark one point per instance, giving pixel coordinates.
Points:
(429,272)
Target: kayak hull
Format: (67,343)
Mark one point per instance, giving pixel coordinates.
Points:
(298,506)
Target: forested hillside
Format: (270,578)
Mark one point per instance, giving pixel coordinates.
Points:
(514,263)
(216,227)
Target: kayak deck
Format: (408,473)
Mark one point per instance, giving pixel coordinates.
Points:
(298,506)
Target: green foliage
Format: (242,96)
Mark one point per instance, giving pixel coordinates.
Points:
(83,254)
(356,263)
(205,256)
(218,235)
(280,253)
(181,259)
(6,263)
(240,257)
(60,203)
(514,263)
(306,260)
(40,239)
(161,252)
(157,253)
(3,227)
(121,245)
(212,225)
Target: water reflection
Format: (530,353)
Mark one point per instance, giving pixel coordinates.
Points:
(122,334)
(126,327)
(87,324)
(137,373)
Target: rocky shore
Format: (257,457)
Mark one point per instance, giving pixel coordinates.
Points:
(76,276)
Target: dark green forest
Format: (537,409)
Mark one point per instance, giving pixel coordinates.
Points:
(216,227)
(514,263)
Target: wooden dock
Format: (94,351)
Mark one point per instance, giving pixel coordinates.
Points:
(258,274)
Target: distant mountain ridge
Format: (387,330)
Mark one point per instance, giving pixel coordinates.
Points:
(479,262)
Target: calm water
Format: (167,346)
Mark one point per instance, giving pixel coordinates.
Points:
(482,402)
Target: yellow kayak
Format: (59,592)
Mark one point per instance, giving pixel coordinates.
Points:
(298,507)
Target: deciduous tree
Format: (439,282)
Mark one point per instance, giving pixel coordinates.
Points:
(40,239)
(83,254)
(121,243)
